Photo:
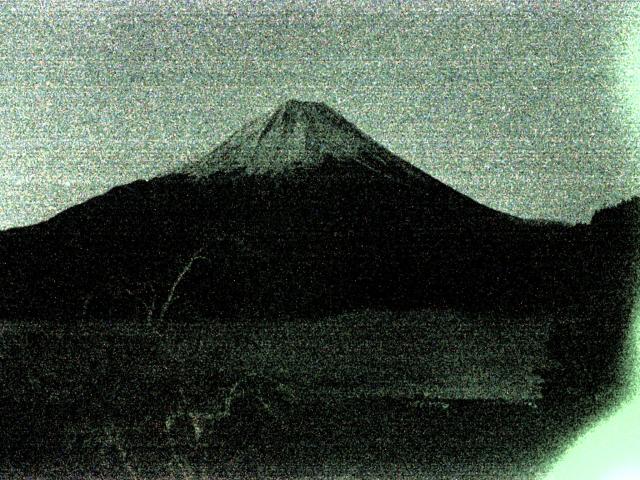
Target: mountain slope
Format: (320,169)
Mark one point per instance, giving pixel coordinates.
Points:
(310,142)
(298,136)
(298,211)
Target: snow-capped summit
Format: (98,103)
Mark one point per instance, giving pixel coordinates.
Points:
(299,135)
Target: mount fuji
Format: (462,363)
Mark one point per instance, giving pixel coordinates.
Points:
(299,136)
(298,211)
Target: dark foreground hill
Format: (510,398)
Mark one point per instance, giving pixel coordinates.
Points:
(296,212)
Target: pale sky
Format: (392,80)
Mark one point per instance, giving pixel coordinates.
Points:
(518,104)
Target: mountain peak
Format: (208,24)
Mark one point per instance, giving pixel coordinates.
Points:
(294,104)
(299,135)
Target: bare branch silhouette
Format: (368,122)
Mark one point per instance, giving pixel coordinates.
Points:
(197,255)
(148,299)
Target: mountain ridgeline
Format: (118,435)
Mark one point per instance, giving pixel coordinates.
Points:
(301,213)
